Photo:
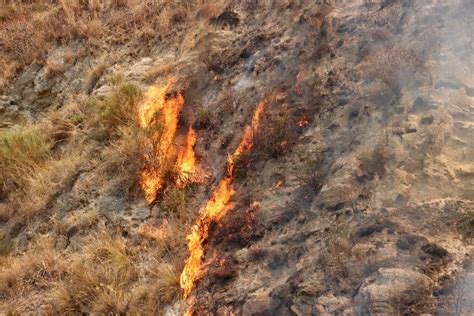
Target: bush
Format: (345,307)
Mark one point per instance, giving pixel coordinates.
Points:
(175,201)
(118,109)
(274,134)
(310,174)
(374,161)
(204,118)
(167,287)
(465,225)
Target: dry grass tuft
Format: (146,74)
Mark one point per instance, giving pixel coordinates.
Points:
(175,201)
(96,281)
(37,269)
(374,161)
(275,133)
(166,288)
(21,152)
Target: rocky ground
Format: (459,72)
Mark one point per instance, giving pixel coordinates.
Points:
(357,197)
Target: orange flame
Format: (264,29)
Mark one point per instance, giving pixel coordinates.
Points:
(186,163)
(159,115)
(216,208)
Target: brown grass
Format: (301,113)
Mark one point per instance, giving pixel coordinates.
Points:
(374,161)
(275,133)
(97,23)
(22,150)
(37,269)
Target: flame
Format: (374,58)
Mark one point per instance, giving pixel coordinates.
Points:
(186,163)
(217,206)
(303,120)
(159,115)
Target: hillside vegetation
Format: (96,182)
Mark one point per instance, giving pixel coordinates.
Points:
(236,157)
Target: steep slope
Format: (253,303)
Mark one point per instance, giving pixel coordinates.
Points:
(250,158)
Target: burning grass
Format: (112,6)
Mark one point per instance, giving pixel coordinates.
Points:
(159,116)
(217,206)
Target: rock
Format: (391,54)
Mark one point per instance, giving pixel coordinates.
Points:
(331,304)
(428,120)
(434,250)
(140,70)
(391,291)
(110,206)
(410,129)
(422,104)
(41,82)
(226,18)
(261,303)
(369,230)
(407,241)
(469,91)
(141,213)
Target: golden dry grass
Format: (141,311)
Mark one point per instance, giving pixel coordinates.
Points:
(21,152)
(37,269)
(100,272)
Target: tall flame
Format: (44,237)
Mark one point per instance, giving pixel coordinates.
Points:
(217,207)
(159,115)
(186,163)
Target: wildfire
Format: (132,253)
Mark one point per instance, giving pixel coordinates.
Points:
(159,115)
(186,163)
(217,207)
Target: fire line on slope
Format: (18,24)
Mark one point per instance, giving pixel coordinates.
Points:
(217,206)
(159,117)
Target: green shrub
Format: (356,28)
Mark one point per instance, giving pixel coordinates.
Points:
(117,109)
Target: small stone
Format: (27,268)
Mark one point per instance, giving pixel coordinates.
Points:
(410,129)
(469,91)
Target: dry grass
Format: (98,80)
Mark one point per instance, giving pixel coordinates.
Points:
(99,22)
(122,162)
(66,123)
(107,275)
(374,161)
(275,133)
(310,173)
(37,269)
(42,185)
(21,152)
(166,288)
(96,280)
(175,201)
(78,220)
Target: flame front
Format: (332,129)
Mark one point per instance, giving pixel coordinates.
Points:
(216,208)
(186,163)
(159,115)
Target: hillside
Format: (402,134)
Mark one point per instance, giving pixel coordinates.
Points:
(236,157)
